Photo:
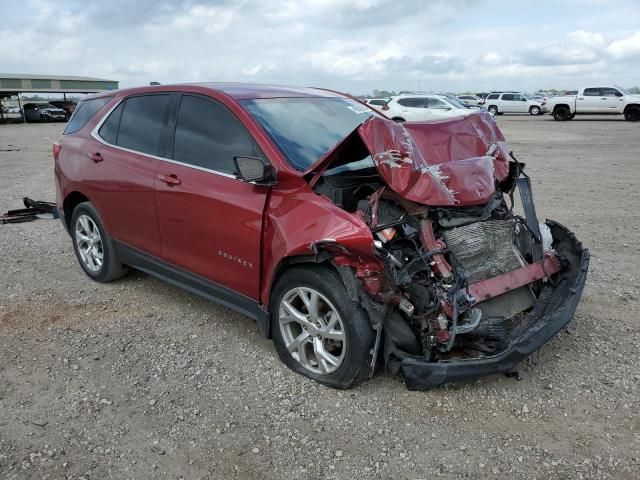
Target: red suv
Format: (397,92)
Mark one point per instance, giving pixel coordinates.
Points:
(354,241)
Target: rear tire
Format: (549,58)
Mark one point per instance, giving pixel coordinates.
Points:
(318,331)
(561,114)
(93,246)
(632,114)
(398,119)
(493,110)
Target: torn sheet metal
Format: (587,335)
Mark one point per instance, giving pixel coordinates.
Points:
(452,162)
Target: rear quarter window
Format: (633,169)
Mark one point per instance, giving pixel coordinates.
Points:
(84,112)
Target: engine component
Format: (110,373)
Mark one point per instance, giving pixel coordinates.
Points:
(484,250)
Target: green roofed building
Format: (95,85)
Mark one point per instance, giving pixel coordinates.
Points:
(12,84)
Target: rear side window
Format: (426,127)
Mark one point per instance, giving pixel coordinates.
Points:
(85,110)
(141,123)
(509,97)
(209,136)
(591,92)
(412,102)
(493,96)
(109,129)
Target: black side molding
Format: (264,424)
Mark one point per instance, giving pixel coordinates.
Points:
(194,283)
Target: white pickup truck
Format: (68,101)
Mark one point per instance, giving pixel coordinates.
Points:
(595,101)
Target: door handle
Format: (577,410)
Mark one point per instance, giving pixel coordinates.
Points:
(169,179)
(96,157)
(581,98)
(603,99)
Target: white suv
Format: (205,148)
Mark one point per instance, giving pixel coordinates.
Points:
(421,107)
(511,102)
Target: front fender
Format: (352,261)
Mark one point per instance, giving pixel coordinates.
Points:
(296,220)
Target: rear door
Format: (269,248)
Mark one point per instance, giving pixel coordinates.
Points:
(124,156)
(210,222)
(507,103)
(590,101)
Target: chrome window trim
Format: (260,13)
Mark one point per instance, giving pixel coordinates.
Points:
(96,135)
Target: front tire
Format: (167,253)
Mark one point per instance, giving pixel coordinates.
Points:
(632,114)
(318,331)
(561,114)
(398,119)
(93,246)
(534,110)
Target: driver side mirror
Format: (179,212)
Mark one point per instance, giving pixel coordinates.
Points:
(254,170)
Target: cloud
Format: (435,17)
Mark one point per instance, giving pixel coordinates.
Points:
(625,48)
(350,45)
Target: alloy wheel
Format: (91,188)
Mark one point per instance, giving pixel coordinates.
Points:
(312,330)
(89,243)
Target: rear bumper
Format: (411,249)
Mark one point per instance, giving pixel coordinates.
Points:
(553,311)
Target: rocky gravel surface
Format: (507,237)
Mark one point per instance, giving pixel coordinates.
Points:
(138,379)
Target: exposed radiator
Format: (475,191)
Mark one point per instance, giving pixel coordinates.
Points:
(484,250)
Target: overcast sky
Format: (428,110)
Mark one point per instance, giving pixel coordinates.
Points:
(349,45)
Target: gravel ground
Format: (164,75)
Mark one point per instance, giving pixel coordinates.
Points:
(138,379)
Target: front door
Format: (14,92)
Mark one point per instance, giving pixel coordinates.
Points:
(210,222)
(613,100)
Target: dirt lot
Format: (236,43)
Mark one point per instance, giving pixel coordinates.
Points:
(138,379)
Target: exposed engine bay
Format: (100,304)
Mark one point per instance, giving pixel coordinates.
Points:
(458,282)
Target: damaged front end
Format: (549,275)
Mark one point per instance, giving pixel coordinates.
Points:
(463,280)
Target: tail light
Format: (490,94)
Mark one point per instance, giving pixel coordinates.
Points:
(385,107)
(56,150)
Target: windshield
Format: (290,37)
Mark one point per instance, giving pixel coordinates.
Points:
(624,92)
(454,101)
(307,128)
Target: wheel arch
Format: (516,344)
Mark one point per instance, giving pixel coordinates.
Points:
(631,105)
(562,105)
(289,263)
(70,202)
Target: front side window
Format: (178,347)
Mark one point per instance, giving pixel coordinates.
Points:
(611,92)
(306,128)
(84,112)
(591,92)
(437,104)
(208,135)
(141,123)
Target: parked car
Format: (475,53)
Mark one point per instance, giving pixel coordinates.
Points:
(353,242)
(511,102)
(421,107)
(595,101)
(67,106)
(43,112)
(471,99)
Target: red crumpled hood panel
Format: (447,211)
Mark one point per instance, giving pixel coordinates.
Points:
(442,163)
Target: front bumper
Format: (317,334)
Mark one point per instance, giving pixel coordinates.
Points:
(551,313)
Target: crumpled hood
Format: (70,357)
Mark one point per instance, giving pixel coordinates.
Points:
(453,162)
